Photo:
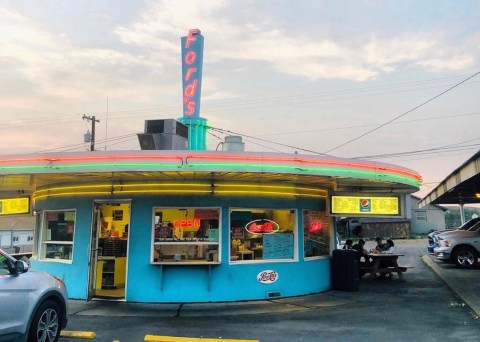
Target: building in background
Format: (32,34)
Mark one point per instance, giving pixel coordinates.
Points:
(16,233)
(428,218)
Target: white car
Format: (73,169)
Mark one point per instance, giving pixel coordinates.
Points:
(33,305)
(459,246)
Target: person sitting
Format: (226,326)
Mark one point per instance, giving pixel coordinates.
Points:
(390,247)
(388,263)
(380,247)
(348,244)
(361,253)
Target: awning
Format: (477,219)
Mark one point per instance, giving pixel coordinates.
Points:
(462,186)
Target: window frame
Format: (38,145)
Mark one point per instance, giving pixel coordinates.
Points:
(295,257)
(328,229)
(190,242)
(43,243)
(424,212)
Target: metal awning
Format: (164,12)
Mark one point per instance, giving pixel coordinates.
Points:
(462,186)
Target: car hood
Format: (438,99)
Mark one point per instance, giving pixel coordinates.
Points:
(459,234)
(437,232)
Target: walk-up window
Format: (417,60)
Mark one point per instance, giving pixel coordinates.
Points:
(186,235)
(262,234)
(58,229)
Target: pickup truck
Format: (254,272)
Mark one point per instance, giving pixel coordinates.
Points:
(432,243)
(459,246)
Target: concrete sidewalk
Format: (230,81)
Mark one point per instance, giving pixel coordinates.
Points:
(465,283)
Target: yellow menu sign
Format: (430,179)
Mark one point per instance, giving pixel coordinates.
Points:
(14,206)
(365,205)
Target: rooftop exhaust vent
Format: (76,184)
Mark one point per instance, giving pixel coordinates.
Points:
(233,143)
(168,134)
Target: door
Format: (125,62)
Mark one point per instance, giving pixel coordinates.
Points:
(108,249)
(93,253)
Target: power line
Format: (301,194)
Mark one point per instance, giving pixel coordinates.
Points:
(407,112)
(269,141)
(368,125)
(246,103)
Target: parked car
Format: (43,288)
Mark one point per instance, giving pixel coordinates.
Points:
(33,304)
(431,237)
(459,246)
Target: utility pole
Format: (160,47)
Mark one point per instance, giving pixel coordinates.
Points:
(92,139)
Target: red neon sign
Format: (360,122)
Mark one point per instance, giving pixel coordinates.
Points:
(187,223)
(192,56)
(315,227)
(262,226)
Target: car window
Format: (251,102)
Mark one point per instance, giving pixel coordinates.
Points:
(470,224)
(475,227)
(4,265)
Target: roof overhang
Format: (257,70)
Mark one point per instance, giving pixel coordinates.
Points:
(462,186)
(22,174)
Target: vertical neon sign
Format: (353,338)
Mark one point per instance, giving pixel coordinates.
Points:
(192,61)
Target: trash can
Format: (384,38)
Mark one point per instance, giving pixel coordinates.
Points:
(344,270)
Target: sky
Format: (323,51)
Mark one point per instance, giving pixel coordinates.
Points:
(376,80)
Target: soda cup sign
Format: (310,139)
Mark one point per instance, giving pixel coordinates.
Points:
(267,277)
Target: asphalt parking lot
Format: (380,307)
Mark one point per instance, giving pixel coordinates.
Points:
(426,307)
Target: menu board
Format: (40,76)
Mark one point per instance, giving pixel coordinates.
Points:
(365,205)
(278,246)
(14,206)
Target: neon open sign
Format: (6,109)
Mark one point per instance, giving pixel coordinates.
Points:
(262,226)
(192,61)
(187,223)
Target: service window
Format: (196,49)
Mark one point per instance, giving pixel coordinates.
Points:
(186,236)
(57,234)
(316,237)
(262,234)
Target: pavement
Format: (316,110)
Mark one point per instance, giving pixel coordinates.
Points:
(464,283)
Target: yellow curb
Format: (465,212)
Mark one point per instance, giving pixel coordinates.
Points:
(78,334)
(155,338)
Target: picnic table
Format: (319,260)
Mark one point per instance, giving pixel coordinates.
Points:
(379,262)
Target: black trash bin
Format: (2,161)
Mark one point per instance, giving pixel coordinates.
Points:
(344,270)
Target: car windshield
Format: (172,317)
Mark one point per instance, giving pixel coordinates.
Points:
(470,224)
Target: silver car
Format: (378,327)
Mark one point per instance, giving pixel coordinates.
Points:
(459,246)
(33,305)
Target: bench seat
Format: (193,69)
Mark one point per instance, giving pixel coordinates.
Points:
(369,269)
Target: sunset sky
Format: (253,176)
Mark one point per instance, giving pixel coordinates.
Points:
(310,75)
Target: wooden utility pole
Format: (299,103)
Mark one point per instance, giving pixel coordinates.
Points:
(92,139)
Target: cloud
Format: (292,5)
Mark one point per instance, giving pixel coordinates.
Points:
(454,63)
(231,36)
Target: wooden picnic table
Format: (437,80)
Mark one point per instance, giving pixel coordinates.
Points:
(379,260)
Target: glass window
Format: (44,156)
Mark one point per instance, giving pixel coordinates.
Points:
(262,234)
(57,234)
(421,215)
(4,265)
(316,237)
(186,235)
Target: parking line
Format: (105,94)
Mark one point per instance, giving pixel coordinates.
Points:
(156,338)
(78,334)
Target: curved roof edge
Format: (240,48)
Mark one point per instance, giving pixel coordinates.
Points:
(206,161)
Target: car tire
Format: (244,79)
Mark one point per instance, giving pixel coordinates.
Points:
(465,257)
(46,323)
